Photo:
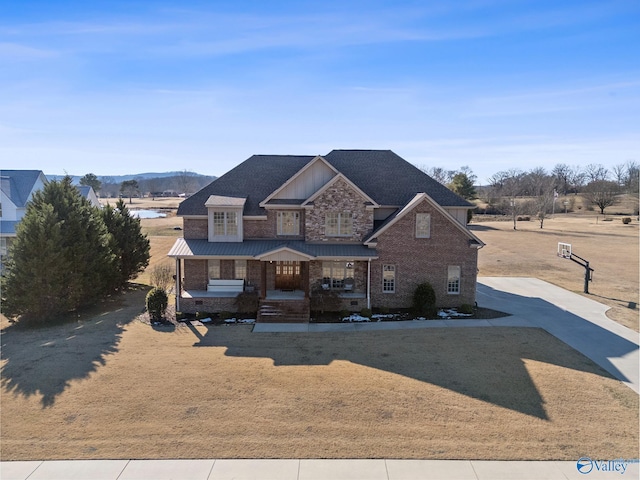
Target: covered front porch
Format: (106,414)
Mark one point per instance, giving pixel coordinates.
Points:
(211,276)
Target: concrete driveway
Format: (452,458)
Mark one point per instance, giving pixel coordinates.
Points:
(576,320)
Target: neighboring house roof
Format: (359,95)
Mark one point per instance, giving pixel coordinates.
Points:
(18,184)
(87,192)
(8,228)
(381,174)
(184,248)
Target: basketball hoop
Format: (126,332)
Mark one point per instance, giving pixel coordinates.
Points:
(564,250)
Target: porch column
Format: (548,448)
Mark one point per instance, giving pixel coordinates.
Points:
(178,283)
(263,279)
(369,284)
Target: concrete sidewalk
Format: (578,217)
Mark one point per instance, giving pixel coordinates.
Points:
(574,319)
(302,470)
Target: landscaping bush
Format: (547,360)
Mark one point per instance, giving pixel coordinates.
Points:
(201,315)
(247,302)
(365,312)
(180,316)
(157,302)
(626,220)
(325,300)
(224,315)
(466,308)
(424,300)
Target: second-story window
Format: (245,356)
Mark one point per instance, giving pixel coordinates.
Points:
(338,224)
(225,223)
(288,223)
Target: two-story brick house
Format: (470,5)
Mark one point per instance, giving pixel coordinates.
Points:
(363,223)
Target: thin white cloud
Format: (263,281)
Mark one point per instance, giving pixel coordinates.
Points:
(16,51)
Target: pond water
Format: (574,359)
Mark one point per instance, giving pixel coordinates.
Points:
(147,214)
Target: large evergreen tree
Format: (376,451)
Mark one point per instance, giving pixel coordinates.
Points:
(61,259)
(129,245)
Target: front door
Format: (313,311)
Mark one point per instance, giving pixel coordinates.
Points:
(288,275)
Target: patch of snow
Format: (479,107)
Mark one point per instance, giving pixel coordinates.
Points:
(355,318)
(247,320)
(420,319)
(451,313)
(230,320)
(206,320)
(383,315)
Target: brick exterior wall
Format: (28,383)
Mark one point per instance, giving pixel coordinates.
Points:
(208,305)
(420,260)
(195,228)
(340,197)
(196,274)
(262,229)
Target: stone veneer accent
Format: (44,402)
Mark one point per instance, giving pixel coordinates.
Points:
(420,260)
(339,197)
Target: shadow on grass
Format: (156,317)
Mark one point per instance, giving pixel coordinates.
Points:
(44,360)
(487,364)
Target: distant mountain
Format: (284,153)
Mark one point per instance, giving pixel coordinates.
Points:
(123,178)
(152,183)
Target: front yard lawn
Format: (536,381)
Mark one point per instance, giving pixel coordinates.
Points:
(113,387)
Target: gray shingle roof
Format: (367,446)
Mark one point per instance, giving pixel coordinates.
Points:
(251,248)
(17,184)
(381,174)
(255,179)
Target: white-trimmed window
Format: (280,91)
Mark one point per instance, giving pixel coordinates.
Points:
(388,278)
(335,273)
(225,223)
(453,280)
(288,223)
(423,225)
(240,269)
(338,224)
(214,269)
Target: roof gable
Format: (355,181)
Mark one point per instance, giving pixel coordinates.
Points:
(335,179)
(18,185)
(415,201)
(313,176)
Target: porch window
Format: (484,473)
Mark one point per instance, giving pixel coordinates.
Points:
(453,280)
(288,223)
(225,223)
(338,224)
(388,278)
(423,225)
(214,269)
(334,274)
(241,269)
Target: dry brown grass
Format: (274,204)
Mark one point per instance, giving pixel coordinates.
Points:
(610,246)
(114,387)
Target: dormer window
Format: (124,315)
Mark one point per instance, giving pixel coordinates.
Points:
(225,218)
(225,224)
(288,223)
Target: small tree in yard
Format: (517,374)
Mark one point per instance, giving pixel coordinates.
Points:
(130,246)
(424,300)
(157,302)
(602,193)
(162,277)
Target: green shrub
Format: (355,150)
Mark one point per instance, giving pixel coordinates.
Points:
(180,316)
(384,310)
(424,300)
(201,315)
(626,220)
(157,302)
(224,315)
(366,312)
(247,302)
(466,308)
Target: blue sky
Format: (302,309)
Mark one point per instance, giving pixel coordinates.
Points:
(123,87)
